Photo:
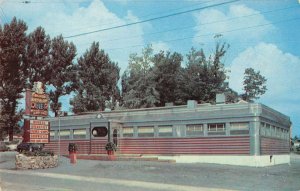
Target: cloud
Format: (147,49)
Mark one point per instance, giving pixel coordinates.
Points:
(281,69)
(282,72)
(123,2)
(71,18)
(214,21)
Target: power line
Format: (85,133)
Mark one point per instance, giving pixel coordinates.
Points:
(192,26)
(210,34)
(190,37)
(151,19)
(47,2)
(140,17)
(3,15)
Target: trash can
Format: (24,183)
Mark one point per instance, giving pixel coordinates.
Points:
(111,148)
(72,153)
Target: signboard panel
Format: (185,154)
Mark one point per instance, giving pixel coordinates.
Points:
(36,101)
(36,104)
(36,131)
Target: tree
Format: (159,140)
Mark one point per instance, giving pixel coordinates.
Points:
(231,95)
(295,138)
(38,58)
(96,82)
(166,73)
(12,63)
(204,76)
(62,54)
(138,84)
(254,85)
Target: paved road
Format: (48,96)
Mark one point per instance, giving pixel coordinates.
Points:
(125,175)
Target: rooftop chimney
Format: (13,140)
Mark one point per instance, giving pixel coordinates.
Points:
(220,98)
(191,104)
(169,104)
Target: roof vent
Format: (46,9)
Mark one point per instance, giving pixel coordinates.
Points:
(169,104)
(220,98)
(191,104)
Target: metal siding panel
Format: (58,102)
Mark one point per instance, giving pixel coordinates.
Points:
(203,145)
(271,146)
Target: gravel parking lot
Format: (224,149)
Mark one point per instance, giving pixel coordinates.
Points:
(137,175)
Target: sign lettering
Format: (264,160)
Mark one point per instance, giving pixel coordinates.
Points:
(36,131)
(38,136)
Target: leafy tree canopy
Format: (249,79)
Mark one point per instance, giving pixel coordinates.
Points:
(138,84)
(96,81)
(167,73)
(38,57)
(254,85)
(204,75)
(62,54)
(12,64)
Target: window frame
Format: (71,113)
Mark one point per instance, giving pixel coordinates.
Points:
(240,130)
(165,134)
(52,137)
(145,134)
(79,136)
(216,132)
(195,132)
(126,134)
(64,136)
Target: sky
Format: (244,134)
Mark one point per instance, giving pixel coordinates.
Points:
(262,34)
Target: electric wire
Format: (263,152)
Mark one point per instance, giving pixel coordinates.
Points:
(212,34)
(140,17)
(194,26)
(148,20)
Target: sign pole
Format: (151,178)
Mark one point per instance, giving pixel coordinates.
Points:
(58,135)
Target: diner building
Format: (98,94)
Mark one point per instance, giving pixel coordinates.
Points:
(242,133)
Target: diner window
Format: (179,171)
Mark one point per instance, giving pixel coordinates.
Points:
(64,134)
(273,131)
(268,130)
(79,133)
(286,134)
(262,130)
(52,135)
(282,132)
(165,131)
(216,129)
(146,131)
(194,130)
(241,128)
(278,132)
(128,131)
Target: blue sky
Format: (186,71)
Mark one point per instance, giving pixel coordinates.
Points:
(263,34)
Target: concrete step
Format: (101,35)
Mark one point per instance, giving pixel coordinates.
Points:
(121,158)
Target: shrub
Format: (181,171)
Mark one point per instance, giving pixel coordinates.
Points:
(110,146)
(72,147)
(38,153)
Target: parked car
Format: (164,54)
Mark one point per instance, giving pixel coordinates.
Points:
(29,147)
(3,146)
(12,145)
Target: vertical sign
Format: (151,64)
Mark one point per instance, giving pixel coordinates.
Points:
(36,101)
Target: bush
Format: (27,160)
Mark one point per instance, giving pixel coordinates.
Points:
(110,146)
(72,147)
(3,146)
(38,153)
